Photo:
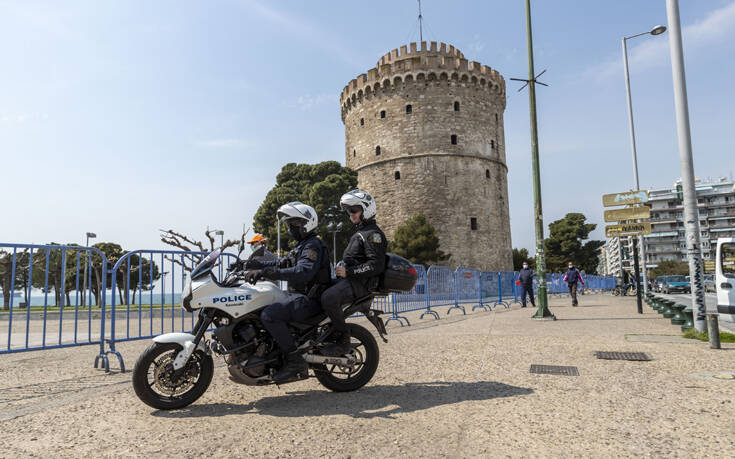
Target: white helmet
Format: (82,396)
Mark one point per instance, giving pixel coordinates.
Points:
(359,198)
(300,211)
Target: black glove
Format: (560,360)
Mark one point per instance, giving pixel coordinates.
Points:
(258,274)
(254,276)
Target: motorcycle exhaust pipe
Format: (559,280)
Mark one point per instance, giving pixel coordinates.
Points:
(324,360)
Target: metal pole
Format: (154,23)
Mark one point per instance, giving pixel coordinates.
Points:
(334,248)
(635,153)
(543,311)
(84,288)
(637,271)
(691,217)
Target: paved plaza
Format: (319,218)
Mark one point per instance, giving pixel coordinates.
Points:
(456,387)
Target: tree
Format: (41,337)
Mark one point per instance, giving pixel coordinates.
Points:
(417,241)
(519,257)
(669,267)
(565,243)
(318,185)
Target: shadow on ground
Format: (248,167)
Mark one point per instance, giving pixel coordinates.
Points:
(373,401)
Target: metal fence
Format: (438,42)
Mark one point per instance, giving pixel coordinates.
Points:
(57,296)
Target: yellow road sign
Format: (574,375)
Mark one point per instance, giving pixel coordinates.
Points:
(627,229)
(629,213)
(628,197)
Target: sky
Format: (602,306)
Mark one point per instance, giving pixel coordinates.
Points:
(126,117)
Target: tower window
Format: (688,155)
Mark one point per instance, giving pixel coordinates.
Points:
(354,153)
(492,145)
(456,106)
(382,114)
(377,151)
(454,139)
(496,118)
(487,173)
(409,109)
(473,223)
(362,121)
(397,175)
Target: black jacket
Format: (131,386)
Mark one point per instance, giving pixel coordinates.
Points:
(364,256)
(308,267)
(526,275)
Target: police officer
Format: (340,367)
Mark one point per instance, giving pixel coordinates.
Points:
(525,278)
(306,268)
(364,262)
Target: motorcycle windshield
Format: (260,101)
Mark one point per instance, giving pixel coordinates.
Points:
(205,265)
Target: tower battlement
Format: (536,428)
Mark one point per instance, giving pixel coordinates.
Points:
(438,63)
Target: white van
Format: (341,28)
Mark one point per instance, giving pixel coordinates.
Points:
(725,278)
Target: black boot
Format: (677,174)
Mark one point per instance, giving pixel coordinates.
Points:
(340,347)
(294,368)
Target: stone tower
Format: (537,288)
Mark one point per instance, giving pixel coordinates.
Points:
(424,131)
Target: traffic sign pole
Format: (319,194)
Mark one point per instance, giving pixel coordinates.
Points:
(637,270)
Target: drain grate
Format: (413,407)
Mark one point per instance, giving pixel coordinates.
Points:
(554,370)
(636,356)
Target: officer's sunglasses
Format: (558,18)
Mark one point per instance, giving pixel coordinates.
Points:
(295,222)
(353,209)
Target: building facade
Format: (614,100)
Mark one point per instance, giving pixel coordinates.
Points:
(424,131)
(716,209)
(667,241)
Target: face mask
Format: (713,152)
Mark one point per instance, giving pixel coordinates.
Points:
(525,266)
(295,232)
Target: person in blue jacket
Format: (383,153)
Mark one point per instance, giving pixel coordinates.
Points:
(525,278)
(306,269)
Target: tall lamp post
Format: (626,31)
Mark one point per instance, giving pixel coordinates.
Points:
(691,218)
(86,267)
(658,30)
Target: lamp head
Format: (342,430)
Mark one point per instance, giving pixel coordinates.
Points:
(658,30)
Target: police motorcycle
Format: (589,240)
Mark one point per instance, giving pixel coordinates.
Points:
(177,368)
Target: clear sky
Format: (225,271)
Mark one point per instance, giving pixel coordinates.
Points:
(123,117)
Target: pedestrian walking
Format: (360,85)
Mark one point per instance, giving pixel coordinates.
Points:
(525,280)
(571,278)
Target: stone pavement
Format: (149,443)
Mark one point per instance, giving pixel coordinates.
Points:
(455,387)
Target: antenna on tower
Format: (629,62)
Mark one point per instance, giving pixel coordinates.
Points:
(421,29)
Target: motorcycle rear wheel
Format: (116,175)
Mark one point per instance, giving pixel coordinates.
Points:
(153,377)
(367,355)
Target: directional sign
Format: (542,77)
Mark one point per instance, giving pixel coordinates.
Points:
(627,229)
(629,213)
(628,197)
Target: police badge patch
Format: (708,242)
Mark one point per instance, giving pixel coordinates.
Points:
(312,255)
(376,238)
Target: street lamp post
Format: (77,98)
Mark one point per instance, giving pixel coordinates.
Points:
(543,312)
(658,30)
(691,218)
(86,267)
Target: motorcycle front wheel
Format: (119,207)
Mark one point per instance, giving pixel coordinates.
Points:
(158,385)
(366,354)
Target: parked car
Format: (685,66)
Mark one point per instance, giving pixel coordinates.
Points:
(709,282)
(674,284)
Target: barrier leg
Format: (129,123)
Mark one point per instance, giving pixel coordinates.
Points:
(394,315)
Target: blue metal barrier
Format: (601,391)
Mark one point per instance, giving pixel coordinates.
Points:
(467,282)
(508,293)
(440,288)
(413,300)
(138,271)
(75,277)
